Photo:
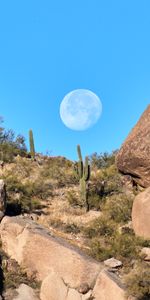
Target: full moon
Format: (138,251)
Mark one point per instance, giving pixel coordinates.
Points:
(80,109)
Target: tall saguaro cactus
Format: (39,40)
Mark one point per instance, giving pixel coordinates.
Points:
(83,173)
(31,142)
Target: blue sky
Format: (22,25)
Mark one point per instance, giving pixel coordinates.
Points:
(51,47)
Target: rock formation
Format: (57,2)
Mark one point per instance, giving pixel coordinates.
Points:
(141,214)
(66,273)
(134,155)
(2,198)
(108,287)
(25,293)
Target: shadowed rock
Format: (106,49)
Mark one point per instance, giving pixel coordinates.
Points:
(2,198)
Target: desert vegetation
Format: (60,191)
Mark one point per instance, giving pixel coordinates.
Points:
(95,216)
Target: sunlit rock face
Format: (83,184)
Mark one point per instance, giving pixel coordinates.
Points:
(134,155)
(141,213)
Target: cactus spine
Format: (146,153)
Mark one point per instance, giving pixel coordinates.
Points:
(31,142)
(83,173)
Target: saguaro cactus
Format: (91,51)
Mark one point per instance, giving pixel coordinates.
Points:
(31,141)
(83,173)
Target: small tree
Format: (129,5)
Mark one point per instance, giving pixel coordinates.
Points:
(31,142)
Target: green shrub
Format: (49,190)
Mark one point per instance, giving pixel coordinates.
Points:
(106,182)
(100,227)
(98,251)
(125,246)
(71,228)
(73,199)
(59,170)
(122,247)
(118,208)
(102,160)
(95,201)
(29,194)
(138,282)
(106,240)
(11,146)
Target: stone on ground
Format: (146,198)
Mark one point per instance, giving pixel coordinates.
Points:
(113,263)
(25,293)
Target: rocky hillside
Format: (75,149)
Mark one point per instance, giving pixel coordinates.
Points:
(44,193)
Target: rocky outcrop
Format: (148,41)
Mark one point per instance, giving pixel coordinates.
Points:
(41,254)
(108,286)
(53,288)
(113,263)
(25,293)
(141,214)
(134,155)
(2,198)
(146,253)
(66,273)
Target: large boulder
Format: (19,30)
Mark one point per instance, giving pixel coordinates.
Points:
(141,214)
(73,295)
(53,288)
(66,273)
(134,155)
(25,292)
(42,254)
(108,286)
(2,198)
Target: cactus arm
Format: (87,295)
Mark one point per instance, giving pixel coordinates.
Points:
(79,152)
(31,142)
(83,173)
(86,169)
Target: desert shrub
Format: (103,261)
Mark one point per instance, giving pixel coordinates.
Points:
(143,242)
(100,227)
(56,222)
(36,204)
(10,146)
(118,208)
(60,170)
(112,179)
(14,275)
(104,240)
(95,201)
(106,181)
(73,198)
(97,251)
(14,185)
(39,189)
(9,151)
(23,167)
(28,195)
(102,160)
(138,282)
(71,228)
(125,246)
